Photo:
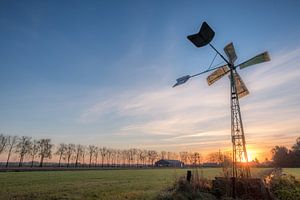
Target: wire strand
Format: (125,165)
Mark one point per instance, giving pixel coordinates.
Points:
(217,64)
(212,61)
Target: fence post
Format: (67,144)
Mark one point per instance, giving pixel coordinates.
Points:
(189,175)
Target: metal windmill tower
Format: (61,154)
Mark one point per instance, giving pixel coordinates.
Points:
(240,168)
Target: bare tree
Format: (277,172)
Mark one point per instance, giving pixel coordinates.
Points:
(131,155)
(137,157)
(3,142)
(83,155)
(190,158)
(45,149)
(34,149)
(152,155)
(114,156)
(103,152)
(61,152)
(163,155)
(118,157)
(96,154)
(128,156)
(11,143)
(70,150)
(143,156)
(23,148)
(184,157)
(91,151)
(195,158)
(124,156)
(108,156)
(214,157)
(79,154)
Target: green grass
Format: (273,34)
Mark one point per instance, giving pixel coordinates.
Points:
(97,184)
(292,171)
(101,184)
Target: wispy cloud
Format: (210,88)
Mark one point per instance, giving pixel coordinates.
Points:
(196,112)
(166,106)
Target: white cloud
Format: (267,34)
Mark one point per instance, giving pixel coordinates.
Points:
(198,112)
(166,111)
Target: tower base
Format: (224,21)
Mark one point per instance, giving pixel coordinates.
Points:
(241,188)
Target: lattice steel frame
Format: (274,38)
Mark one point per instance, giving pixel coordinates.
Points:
(240,169)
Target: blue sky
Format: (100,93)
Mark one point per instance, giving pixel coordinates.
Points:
(101,72)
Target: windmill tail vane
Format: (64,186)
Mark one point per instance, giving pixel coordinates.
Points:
(238,89)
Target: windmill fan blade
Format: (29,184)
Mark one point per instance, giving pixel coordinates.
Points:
(203,37)
(263,57)
(216,75)
(230,52)
(241,88)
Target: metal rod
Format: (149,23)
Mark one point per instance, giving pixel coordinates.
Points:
(208,70)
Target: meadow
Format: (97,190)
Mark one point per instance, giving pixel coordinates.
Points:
(97,184)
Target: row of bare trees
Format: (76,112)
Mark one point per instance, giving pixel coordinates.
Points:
(91,155)
(72,155)
(25,147)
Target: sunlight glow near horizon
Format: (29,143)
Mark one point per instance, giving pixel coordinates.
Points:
(94,73)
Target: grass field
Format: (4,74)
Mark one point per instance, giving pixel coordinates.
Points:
(293,171)
(97,184)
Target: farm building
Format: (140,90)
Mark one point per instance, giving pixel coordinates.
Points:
(169,163)
(211,164)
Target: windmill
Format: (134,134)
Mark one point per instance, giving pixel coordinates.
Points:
(238,89)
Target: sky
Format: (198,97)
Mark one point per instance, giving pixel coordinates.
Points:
(101,72)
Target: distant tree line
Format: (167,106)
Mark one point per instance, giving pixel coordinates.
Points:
(34,152)
(284,157)
(25,147)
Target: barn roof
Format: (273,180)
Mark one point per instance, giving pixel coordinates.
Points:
(172,162)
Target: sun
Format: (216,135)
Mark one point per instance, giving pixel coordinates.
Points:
(251,156)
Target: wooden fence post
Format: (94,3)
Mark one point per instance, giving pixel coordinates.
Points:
(189,175)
